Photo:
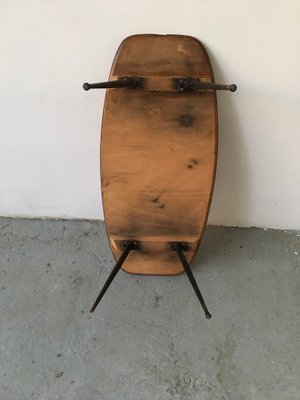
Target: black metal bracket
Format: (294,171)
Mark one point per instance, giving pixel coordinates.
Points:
(189,84)
(179,248)
(130,82)
(127,246)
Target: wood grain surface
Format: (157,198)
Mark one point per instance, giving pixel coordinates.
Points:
(158,152)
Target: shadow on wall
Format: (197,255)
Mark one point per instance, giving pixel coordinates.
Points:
(231,198)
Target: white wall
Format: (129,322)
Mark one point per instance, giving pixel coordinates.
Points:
(49,150)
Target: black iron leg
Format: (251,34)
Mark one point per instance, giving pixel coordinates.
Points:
(179,248)
(127,247)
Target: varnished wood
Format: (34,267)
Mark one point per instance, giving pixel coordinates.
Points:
(158,152)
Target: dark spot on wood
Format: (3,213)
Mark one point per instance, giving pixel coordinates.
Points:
(189,64)
(161,206)
(189,106)
(192,163)
(186,120)
(155,200)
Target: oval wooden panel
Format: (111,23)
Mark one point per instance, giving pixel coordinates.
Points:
(158,152)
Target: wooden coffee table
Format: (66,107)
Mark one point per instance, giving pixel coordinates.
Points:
(158,154)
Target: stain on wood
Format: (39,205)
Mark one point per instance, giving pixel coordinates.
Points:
(186,120)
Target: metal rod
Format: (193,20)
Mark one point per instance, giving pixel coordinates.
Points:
(179,247)
(127,247)
(125,82)
(195,84)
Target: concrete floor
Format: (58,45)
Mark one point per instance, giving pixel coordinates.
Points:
(149,338)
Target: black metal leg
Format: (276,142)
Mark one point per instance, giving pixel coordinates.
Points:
(186,84)
(127,247)
(130,82)
(179,248)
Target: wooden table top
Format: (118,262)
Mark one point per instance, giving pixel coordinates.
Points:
(158,152)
